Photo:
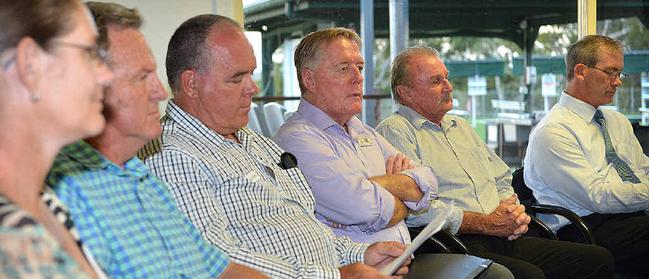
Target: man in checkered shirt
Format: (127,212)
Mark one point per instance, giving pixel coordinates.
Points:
(226,178)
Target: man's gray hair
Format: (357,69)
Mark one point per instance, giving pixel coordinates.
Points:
(308,50)
(401,66)
(112,14)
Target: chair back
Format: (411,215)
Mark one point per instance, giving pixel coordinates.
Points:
(524,193)
(253,121)
(288,114)
(274,114)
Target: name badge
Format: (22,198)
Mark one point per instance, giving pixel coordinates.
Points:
(364,141)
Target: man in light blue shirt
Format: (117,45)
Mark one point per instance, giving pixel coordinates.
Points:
(486,215)
(597,170)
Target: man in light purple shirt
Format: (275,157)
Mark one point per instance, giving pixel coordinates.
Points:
(346,169)
(363,188)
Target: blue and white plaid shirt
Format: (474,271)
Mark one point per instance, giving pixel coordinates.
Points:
(127,219)
(235,193)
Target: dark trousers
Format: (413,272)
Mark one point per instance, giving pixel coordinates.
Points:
(531,257)
(626,235)
(445,266)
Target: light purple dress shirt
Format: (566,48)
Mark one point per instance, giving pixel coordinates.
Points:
(338,166)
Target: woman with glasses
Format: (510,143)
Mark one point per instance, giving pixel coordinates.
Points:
(51,85)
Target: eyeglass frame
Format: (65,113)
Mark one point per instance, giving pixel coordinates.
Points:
(611,74)
(95,52)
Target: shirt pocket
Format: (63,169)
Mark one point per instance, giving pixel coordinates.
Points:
(373,160)
(295,185)
(478,165)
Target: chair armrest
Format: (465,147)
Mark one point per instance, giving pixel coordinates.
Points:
(542,228)
(438,245)
(442,241)
(571,216)
(451,240)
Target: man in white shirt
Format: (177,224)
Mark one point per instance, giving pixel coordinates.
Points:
(588,160)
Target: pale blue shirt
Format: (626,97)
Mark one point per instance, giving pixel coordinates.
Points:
(468,173)
(338,166)
(566,165)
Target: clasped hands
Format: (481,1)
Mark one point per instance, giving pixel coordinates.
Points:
(508,219)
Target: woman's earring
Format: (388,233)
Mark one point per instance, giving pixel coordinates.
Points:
(36,97)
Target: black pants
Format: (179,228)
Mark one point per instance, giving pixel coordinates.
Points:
(626,235)
(531,257)
(444,266)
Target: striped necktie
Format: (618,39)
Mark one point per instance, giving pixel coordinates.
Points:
(625,172)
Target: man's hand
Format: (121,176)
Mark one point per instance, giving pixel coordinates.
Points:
(360,271)
(399,185)
(518,232)
(522,220)
(507,220)
(380,254)
(234,270)
(396,164)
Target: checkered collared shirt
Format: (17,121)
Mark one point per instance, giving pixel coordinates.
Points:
(243,202)
(127,219)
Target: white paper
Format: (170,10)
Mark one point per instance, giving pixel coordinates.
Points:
(433,227)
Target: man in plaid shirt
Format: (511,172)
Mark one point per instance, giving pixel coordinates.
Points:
(227,179)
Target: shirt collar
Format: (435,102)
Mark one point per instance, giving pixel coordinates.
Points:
(199,129)
(323,121)
(419,121)
(579,107)
(86,155)
(89,157)
(412,116)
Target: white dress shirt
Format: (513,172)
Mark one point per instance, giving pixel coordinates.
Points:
(566,165)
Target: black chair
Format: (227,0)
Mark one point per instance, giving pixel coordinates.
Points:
(527,199)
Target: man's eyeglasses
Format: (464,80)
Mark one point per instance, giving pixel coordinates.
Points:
(93,51)
(611,74)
